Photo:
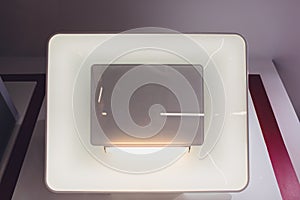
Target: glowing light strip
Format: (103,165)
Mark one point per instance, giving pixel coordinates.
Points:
(183,114)
(100,94)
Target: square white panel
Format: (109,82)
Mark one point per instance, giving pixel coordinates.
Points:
(219,164)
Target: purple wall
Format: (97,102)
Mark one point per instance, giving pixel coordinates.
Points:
(271,27)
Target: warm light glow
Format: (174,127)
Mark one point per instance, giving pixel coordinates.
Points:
(138,150)
(147,144)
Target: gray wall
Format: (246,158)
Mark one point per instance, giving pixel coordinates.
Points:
(271,27)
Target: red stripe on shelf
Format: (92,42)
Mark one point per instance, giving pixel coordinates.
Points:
(282,166)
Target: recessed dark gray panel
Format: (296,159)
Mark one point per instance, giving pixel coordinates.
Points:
(143,104)
(8,117)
